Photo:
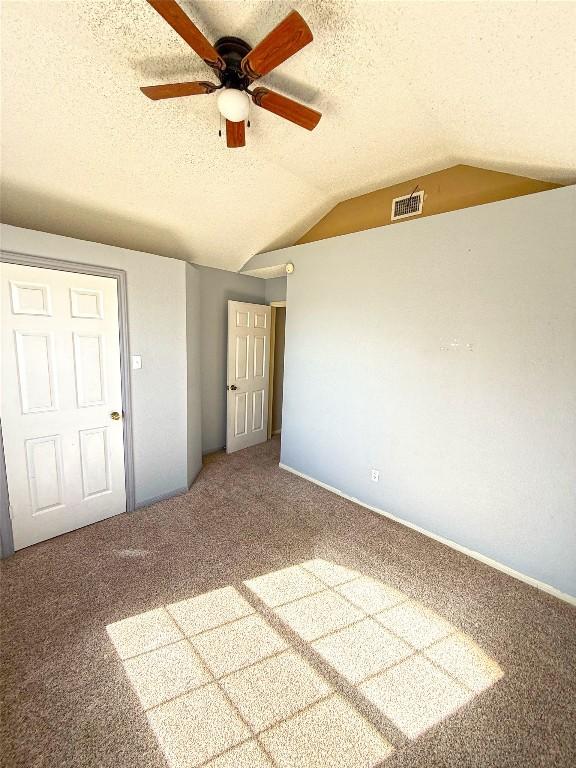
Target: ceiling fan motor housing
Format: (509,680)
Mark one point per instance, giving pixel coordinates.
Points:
(233,50)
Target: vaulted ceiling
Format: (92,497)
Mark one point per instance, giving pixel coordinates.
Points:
(404,88)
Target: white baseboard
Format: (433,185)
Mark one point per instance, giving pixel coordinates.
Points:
(458,547)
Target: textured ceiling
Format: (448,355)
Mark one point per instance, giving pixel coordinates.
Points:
(405,88)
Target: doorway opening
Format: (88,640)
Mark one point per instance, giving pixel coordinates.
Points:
(277,341)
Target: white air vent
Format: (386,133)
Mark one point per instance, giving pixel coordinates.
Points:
(409,205)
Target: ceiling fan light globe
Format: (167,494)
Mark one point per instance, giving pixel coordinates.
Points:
(233,104)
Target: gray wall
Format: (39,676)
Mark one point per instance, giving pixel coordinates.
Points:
(217,286)
(442,352)
(194,389)
(6,540)
(157,331)
(275,289)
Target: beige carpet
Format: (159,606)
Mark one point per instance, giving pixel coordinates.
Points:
(261,621)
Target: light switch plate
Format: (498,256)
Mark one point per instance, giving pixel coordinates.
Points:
(136,362)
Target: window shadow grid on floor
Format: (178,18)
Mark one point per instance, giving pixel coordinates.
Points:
(304,648)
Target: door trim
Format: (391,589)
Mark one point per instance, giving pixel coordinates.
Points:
(273,306)
(272,364)
(28,260)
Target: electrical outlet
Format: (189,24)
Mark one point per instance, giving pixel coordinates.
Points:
(375,475)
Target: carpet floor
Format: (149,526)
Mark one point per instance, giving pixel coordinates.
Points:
(258,620)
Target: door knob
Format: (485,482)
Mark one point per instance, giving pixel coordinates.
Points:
(115,415)
(233,387)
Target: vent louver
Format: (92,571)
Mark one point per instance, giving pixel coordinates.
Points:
(409,205)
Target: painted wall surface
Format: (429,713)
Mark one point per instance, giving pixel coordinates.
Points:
(194,389)
(275,289)
(443,353)
(157,332)
(453,188)
(278,390)
(217,286)
(6,540)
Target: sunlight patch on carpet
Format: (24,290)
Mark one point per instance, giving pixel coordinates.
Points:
(221,687)
(409,662)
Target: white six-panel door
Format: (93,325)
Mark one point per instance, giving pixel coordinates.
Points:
(60,384)
(248,368)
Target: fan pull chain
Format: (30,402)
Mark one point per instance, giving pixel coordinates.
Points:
(220,129)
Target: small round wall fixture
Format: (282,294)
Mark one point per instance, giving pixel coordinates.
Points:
(289,268)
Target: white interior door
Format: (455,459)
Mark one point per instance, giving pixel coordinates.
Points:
(248,367)
(60,396)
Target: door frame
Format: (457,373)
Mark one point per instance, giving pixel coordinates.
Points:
(44,262)
(273,305)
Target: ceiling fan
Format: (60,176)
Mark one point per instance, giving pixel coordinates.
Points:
(237,65)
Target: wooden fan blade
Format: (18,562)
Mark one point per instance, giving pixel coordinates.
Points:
(287,108)
(235,134)
(173,90)
(284,41)
(188,31)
